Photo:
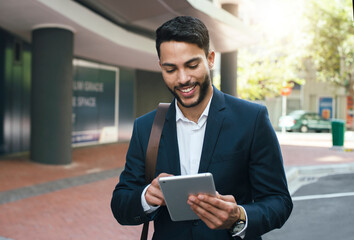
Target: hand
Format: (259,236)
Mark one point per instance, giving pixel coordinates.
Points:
(153,194)
(218,212)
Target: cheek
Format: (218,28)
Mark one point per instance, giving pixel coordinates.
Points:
(200,74)
(168,79)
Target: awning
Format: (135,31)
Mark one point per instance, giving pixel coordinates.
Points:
(102,40)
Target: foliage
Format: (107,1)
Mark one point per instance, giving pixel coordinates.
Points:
(329,30)
(272,64)
(323,36)
(264,77)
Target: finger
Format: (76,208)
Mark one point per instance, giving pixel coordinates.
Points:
(224,211)
(202,200)
(211,224)
(211,201)
(154,196)
(221,201)
(155,191)
(227,198)
(210,219)
(208,206)
(164,175)
(154,200)
(217,207)
(155,182)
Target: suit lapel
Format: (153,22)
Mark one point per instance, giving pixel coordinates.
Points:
(214,123)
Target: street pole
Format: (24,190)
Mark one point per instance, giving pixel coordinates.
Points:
(283,112)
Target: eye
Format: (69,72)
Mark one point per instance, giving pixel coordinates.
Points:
(193,66)
(170,70)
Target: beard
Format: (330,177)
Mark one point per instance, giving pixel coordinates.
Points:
(204,86)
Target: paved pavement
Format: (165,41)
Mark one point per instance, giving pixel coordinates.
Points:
(73,201)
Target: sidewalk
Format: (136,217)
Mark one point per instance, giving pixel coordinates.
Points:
(73,201)
(62,202)
(301,149)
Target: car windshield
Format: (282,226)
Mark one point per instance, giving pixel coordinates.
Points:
(296,114)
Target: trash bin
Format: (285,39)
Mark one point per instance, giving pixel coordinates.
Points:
(338,130)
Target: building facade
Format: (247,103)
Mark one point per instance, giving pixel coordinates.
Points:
(79,72)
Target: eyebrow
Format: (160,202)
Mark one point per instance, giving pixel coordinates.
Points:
(186,63)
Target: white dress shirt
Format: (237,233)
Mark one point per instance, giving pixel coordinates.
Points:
(190,136)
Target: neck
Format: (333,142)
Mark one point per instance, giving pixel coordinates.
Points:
(194,113)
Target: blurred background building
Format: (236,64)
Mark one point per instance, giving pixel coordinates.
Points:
(79,72)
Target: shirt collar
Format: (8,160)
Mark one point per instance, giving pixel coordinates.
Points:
(180,116)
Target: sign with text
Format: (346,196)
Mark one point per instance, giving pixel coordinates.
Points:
(95,103)
(326,107)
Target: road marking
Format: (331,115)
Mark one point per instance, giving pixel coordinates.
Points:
(321,196)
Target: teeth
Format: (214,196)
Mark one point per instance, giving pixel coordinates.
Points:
(187,90)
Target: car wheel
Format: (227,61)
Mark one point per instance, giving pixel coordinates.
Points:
(304,129)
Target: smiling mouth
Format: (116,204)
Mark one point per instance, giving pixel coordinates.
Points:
(186,90)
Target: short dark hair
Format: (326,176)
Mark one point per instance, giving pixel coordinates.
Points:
(183,29)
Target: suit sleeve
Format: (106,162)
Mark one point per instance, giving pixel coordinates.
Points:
(272,203)
(126,200)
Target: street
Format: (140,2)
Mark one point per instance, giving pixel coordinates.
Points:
(322,194)
(322,210)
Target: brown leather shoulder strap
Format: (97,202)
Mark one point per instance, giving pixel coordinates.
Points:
(151,152)
(154,141)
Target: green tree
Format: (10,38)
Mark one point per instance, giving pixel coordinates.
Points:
(263,77)
(329,41)
(265,68)
(324,37)
(264,71)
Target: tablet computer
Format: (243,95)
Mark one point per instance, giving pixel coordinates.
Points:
(176,190)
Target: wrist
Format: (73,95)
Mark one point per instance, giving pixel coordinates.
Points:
(240,224)
(242,214)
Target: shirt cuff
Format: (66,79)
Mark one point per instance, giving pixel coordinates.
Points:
(147,208)
(242,233)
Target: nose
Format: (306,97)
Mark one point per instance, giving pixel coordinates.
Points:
(183,77)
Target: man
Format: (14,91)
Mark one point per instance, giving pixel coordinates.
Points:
(205,131)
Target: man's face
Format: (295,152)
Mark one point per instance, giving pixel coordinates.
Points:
(186,72)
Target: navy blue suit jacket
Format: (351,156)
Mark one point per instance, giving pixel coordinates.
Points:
(240,149)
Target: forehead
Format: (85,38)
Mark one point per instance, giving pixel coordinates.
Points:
(179,52)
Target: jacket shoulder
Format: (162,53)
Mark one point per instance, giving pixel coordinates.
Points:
(237,104)
(146,118)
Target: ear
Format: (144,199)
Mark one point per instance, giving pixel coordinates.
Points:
(211,59)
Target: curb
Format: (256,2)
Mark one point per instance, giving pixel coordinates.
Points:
(293,172)
(302,175)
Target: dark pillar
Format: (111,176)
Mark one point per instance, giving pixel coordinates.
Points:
(51,95)
(228,68)
(228,73)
